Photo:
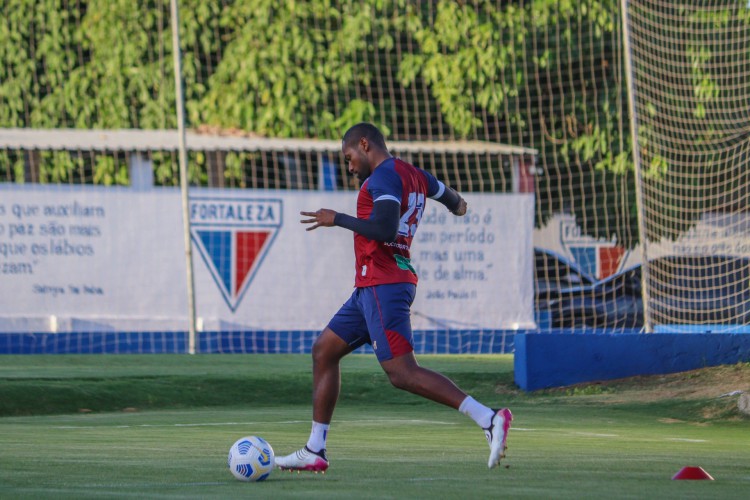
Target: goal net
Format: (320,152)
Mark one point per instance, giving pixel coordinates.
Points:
(95,268)
(448,82)
(690,81)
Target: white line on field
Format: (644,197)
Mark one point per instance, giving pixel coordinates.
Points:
(356,421)
(228,424)
(394,421)
(205,424)
(594,434)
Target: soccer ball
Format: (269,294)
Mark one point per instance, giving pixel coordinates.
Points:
(251,459)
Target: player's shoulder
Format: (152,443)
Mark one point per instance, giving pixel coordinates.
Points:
(395,170)
(410,170)
(398,163)
(406,170)
(387,167)
(385,171)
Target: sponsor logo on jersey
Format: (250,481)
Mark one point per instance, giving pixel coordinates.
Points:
(233,236)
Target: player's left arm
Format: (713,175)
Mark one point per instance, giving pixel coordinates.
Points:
(446,195)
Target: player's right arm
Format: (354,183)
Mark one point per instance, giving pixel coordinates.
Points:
(384,187)
(381,226)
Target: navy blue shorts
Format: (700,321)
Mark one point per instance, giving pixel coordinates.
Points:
(379,316)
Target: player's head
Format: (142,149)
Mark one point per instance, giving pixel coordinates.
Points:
(364,148)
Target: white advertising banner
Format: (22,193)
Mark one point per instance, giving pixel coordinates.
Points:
(712,235)
(94,258)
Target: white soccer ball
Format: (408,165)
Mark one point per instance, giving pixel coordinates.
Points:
(251,458)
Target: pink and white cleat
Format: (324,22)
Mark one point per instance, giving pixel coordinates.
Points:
(497,436)
(304,459)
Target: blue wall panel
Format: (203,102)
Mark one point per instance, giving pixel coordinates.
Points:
(544,360)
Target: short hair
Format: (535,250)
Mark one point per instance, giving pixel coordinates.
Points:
(367,130)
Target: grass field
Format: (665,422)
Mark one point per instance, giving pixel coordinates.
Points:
(160,427)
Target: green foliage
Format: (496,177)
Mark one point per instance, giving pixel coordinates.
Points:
(283,63)
(271,68)
(541,73)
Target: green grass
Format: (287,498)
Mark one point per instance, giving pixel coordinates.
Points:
(67,384)
(575,443)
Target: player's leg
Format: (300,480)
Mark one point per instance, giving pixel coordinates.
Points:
(387,310)
(405,373)
(390,328)
(327,352)
(345,332)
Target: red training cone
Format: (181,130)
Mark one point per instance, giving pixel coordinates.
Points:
(692,473)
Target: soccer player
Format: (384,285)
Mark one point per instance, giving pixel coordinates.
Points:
(389,206)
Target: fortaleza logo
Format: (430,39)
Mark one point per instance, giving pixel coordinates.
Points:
(233,236)
(598,258)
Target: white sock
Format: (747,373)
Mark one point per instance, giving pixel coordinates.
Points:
(318,436)
(477,411)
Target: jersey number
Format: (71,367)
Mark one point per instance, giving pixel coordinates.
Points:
(410,219)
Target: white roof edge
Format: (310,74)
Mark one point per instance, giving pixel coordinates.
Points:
(168,140)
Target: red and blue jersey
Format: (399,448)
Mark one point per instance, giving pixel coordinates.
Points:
(377,262)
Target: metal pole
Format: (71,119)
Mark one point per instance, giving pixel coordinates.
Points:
(177,56)
(630,79)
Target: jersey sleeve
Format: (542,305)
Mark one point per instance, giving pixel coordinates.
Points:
(385,184)
(435,188)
